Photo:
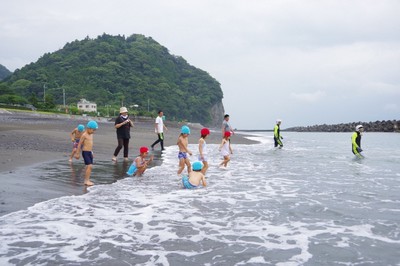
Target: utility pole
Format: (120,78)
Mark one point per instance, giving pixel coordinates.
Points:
(44,93)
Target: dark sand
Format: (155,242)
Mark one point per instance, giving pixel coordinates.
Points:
(35,149)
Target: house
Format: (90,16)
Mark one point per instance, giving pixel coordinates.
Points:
(86,106)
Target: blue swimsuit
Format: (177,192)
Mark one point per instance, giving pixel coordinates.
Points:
(186,183)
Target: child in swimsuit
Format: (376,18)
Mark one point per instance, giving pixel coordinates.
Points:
(75,136)
(225,149)
(140,164)
(203,149)
(195,177)
(183,150)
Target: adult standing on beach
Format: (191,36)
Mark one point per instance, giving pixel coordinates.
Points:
(356,141)
(123,125)
(159,129)
(277,134)
(226,126)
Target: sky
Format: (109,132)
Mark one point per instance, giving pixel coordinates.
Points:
(305,62)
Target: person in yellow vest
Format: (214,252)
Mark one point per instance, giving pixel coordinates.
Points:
(356,141)
(277,134)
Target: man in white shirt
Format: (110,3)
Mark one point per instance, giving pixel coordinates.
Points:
(159,129)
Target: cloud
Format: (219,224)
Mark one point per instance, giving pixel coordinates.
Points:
(308,97)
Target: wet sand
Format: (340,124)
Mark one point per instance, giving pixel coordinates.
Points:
(35,149)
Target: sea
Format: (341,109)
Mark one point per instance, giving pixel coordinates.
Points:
(310,203)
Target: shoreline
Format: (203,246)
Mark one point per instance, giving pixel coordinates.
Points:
(35,150)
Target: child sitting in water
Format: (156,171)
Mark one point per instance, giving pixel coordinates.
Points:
(183,150)
(195,177)
(140,164)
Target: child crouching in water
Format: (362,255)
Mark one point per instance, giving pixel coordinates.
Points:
(195,177)
(140,164)
(225,149)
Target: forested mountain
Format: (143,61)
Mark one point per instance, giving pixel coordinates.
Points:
(4,72)
(118,70)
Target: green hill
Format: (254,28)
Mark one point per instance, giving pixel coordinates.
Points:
(115,70)
(4,72)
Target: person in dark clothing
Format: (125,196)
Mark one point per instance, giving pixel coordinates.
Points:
(123,125)
(356,141)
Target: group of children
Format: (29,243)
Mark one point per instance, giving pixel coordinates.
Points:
(83,141)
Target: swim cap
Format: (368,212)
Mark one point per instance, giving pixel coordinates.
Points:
(143,149)
(227,134)
(81,128)
(205,131)
(92,125)
(197,166)
(278,121)
(185,130)
(359,127)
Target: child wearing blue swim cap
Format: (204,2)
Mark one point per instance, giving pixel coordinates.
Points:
(183,150)
(75,136)
(195,178)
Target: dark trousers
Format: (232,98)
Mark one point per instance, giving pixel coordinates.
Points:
(160,140)
(122,143)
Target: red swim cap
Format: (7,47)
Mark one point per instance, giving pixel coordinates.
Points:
(205,131)
(143,149)
(227,134)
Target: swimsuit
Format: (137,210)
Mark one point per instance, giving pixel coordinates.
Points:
(87,157)
(186,183)
(182,155)
(225,149)
(133,168)
(204,159)
(75,144)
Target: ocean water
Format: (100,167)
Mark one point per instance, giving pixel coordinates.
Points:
(310,203)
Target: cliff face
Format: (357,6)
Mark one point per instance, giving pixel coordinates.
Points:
(217,113)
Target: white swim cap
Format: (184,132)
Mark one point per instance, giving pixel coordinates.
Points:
(359,127)
(278,121)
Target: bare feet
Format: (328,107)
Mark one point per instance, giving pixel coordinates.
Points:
(70,160)
(89,183)
(114,159)
(126,159)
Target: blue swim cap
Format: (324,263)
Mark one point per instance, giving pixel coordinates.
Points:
(81,128)
(185,130)
(92,125)
(197,166)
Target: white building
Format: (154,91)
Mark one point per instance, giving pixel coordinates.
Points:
(87,106)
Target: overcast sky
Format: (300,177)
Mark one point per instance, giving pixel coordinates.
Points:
(305,62)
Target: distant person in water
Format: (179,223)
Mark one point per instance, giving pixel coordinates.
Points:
(86,142)
(140,164)
(183,150)
(226,126)
(75,136)
(203,149)
(277,134)
(225,149)
(123,126)
(356,141)
(159,129)
(195,177)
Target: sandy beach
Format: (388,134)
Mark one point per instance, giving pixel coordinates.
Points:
(31,140)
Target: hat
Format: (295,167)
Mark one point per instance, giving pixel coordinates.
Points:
(197,166)
(278,121)
(227,134)
(123,110)
(359,127)
(143,149)
(81,128)
(185,130)
(205,131)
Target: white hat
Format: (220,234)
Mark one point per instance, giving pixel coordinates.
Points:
(358,127)
(278,121)
(123,110)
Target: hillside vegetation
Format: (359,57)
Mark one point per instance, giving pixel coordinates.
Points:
(117,70)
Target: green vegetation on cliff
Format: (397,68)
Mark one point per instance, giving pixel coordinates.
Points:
(115,70)
(4,72)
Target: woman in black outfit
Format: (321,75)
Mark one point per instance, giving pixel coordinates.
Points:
(123,125)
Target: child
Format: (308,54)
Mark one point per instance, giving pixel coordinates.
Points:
(183,150)
(75,136)
(225,149)
(139,165)
(195,177)
(86,143)
(203,149)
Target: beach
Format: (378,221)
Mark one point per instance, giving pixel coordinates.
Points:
(32,140)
